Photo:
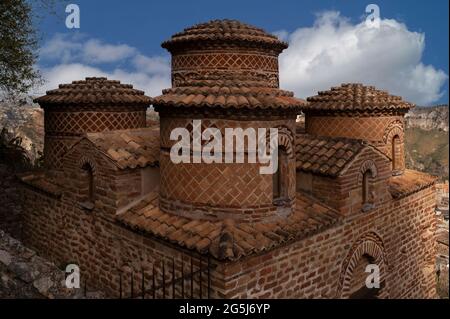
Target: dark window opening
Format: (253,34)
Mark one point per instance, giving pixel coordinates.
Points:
(88,183)
(395,152)
(280,178)
(367,196)
(367,293)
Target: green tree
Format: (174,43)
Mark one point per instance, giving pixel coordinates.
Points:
(18,48)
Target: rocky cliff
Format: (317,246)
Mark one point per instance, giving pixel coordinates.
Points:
(26,121)
(427,139)
(428,118)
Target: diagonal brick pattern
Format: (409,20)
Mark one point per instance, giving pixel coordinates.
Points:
(81,122)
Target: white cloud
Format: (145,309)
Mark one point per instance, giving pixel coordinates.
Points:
(74,57)
(98,52)
(66,73)
(77,47)
(152,64)
(152,84)
(330,52)
(62,48)
(334,51)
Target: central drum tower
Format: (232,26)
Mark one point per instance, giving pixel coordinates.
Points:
(225,74)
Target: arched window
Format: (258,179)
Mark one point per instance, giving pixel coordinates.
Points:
(366,187)
(395,152)
(280,181)
(89,182)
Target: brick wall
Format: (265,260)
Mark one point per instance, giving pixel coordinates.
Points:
(318,267)
(370,128)
(379,130)
(65,125)
(104,250)
(345,192)
(216,190)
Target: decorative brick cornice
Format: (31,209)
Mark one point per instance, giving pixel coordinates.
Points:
(225,64)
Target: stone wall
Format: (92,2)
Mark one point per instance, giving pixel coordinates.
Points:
(24,274)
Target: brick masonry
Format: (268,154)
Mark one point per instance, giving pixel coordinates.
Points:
(316,267)
(359,216)
(380,130)
(321,266)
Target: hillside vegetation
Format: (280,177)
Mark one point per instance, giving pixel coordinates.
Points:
(427,150)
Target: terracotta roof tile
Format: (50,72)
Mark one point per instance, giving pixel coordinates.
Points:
(42,182)
(409,182)
(129,148)
(355,97)
(94,91)
(229,239)
(224,31)
(325,155)
(238,95)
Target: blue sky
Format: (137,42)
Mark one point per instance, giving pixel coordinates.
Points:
(122,39)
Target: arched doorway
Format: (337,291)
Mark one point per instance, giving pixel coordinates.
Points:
(358,288)
(364,261)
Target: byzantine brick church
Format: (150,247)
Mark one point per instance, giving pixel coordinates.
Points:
(111,201)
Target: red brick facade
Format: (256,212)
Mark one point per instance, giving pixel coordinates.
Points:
(93,105)
(121,206)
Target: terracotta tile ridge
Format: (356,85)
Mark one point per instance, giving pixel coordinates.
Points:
(364,145)
(149,197)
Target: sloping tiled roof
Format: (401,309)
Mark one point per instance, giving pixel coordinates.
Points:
(224,31)
(355,97)
(409,182)
(228,239)
(228,95)
(42,182)
(94,91)
(325,155)
(129,148)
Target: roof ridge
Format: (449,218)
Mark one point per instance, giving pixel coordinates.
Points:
(224,30)
(94,90)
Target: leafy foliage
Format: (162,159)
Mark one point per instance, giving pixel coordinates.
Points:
(18,48)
